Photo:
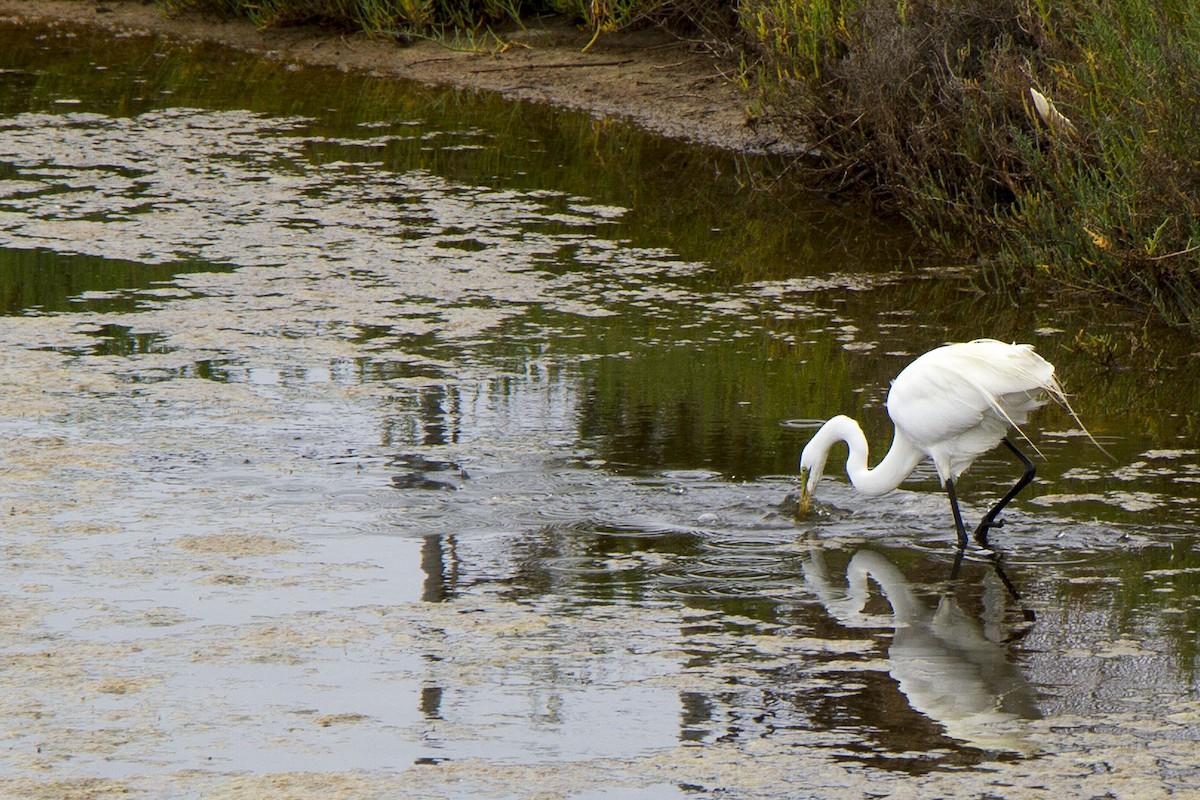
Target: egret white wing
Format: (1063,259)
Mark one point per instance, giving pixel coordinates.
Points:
(958,401)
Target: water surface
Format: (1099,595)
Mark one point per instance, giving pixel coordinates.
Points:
(362,438)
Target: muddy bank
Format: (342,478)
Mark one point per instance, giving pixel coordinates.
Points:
(677,88)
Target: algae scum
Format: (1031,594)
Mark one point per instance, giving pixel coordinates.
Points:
(364,440)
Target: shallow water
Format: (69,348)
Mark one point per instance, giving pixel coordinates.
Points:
(366,438)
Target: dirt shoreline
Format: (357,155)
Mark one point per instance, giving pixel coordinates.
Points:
(666,85)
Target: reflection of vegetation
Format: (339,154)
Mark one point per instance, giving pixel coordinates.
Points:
(692,200)
(119,340)
(46,281)
(1152,597)
(718,406)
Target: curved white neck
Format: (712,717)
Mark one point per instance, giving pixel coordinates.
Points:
(901,459)
(865,564)
(848,607)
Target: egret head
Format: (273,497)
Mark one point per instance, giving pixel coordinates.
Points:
(812,465)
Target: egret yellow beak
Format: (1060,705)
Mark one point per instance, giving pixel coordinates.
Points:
(805,497)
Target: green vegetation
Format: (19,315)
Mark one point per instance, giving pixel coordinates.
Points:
(443,17)
(931,108)
(928,105)
(375,16)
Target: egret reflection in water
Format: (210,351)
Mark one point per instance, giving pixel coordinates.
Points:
(953,668)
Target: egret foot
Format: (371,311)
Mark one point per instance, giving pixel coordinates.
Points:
(981,532)
(989,519)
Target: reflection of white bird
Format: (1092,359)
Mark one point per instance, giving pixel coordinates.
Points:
(952,405)
(944,664)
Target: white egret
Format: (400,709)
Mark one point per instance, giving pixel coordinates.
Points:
(952,405)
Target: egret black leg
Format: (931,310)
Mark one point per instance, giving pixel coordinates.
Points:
(958,559)
(989,520)
(958,523)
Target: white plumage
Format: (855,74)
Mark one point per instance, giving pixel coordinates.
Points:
(957,402)
(952,405)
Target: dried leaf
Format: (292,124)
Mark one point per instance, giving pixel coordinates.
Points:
(1098,239)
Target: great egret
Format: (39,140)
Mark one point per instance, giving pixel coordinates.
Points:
(952,405)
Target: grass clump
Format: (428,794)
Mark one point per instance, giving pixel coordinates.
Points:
(928,107)
(450,17)
(385,17)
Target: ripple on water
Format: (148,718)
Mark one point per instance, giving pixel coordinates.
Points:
(684,586)
(692,476)
(619,567)
(627,527)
